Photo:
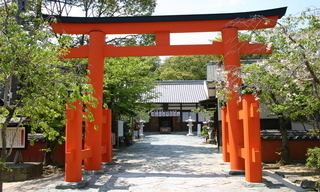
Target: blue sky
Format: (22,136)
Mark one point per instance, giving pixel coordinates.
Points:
(182,7)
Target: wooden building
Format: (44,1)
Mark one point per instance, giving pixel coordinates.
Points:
(175,103)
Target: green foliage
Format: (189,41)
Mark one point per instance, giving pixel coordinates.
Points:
(185,67)
(128,134)
(288,81)
(279,152)
(98,8)
(46,150)
(313,160)
(133,40)
(128,84)
(106,8)
(252,38)
(204,132)
(30,52)
(3,166)
(30,55)
(207,113)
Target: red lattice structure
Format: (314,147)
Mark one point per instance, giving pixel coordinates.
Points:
(240,120)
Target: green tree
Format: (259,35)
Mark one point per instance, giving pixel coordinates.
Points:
(289,79)
(98,8)
(252,38)
(126,79)
(281,96)
(28,55)
(106,8)
(185,67)
(128,84)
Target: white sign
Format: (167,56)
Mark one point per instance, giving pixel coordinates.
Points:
(161,113)
(15,137)
(120,128)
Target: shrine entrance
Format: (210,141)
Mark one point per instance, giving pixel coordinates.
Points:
(165,123)
(240,121)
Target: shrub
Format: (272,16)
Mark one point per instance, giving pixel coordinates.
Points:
(313,160)
(204,132)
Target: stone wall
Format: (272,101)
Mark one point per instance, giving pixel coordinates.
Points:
(22,172)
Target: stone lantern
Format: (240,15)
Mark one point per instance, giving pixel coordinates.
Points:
(141,125)
(190,126)
(211,139)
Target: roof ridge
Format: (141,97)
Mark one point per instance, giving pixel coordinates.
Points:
(185,82)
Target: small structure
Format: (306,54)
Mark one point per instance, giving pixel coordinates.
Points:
(211,134)
(141,125)
(190,124)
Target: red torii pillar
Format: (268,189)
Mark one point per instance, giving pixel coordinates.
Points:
(240,121)
(94,129)
(240,117)
(232,63)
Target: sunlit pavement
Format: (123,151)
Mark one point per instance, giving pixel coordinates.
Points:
(173,162)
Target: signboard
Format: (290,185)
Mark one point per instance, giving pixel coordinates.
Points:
(16,136)
(161,113)
(120,128)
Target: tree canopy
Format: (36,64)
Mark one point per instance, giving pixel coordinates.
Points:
(127,83)
(98,8)
(288,81)
(184,68)
(105,8)
(292,71)
(29,61)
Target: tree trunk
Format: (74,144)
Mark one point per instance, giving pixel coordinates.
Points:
(48,158)
(1,178)
(3,155)
(285,152)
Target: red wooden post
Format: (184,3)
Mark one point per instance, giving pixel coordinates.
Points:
(94,129)
(73,145)
(232,64)
(225,135)
(252,141)
(103,136)
(107,135)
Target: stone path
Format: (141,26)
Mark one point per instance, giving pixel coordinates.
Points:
(172,163)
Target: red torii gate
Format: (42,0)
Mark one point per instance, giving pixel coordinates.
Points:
(240,121)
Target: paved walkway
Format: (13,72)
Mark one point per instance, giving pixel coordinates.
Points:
(172,162)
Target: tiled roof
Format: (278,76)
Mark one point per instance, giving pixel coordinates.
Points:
(180,92)
(274,134)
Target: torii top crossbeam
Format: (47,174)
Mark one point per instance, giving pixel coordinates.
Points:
(162,26)
(172,24)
